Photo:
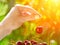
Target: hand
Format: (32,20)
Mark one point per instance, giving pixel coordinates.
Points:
(27,13)
(15,18)
(18,15)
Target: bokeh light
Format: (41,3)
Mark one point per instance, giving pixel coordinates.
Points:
(49,20)
(50,12)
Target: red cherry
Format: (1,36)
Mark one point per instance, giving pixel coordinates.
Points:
(19,43)
(27,42)
(33,42)
(39,29)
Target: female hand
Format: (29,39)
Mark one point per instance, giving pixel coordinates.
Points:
(16,17)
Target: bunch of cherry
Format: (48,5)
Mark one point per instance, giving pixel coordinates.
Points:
(26,42)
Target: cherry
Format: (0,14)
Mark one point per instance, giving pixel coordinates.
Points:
(33,42)
(19,43)
(39,29)
(27,42)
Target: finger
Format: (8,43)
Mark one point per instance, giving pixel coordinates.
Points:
(27,13)
(30,13)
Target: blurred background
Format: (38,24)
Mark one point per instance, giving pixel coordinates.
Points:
(50,21)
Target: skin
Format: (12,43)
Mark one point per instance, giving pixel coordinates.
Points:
(15,18)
